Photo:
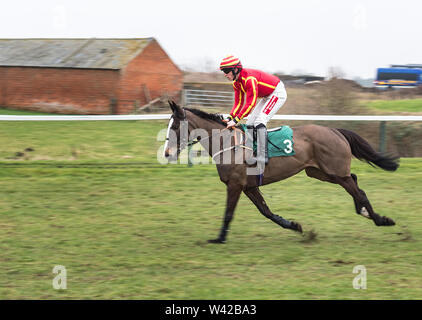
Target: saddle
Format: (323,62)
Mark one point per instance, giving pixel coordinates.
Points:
(280,141)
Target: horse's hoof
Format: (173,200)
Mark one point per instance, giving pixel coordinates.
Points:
(384,221)
(296,227)
(216,241)
(388,221)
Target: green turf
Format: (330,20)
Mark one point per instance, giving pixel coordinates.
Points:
(111,141)
(139,231)
(405,105)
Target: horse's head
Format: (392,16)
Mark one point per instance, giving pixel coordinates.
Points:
(177,132)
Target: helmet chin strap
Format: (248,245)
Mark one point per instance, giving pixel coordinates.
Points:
(236,73)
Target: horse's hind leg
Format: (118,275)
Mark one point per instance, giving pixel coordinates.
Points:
(360,209)
(350,184)
(362,204)
(256,197)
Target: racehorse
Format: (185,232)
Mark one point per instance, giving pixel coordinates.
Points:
(324,153)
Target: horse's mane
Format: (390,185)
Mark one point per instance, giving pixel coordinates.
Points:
(208,116)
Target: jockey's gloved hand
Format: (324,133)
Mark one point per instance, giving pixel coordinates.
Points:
(231,124)
(228,119)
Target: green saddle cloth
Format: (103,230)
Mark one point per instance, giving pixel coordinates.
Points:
(280,141)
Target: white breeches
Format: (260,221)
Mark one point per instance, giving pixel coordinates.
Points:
(267,106)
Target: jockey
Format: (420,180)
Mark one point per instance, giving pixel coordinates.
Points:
(250,85)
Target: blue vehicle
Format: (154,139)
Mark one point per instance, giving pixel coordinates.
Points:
(409,75)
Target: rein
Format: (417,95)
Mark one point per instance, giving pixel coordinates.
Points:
(236,143)
(193,142)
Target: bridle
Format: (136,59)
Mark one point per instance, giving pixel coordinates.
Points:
(194,141)
(183,141)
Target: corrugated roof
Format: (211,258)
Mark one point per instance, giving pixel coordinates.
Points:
(71,53)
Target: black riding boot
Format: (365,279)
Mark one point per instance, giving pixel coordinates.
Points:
(262,143)
(251,143)
(262,152)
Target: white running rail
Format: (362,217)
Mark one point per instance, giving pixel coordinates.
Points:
(167,116)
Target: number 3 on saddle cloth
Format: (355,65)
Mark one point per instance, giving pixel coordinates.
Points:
(280,141)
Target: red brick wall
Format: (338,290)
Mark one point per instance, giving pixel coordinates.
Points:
(71,91)
(151,68)
(79,91)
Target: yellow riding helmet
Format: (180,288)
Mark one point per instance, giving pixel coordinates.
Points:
(230,62)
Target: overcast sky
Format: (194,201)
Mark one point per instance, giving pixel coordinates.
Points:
(276,36)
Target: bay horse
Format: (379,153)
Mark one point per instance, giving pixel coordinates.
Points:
(324,153)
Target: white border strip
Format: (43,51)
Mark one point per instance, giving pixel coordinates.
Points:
(347,118)
(167,116)
(85,118)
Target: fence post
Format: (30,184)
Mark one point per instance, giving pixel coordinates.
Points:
(190,164)
(382,136)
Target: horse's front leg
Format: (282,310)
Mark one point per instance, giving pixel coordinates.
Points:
(255,196)
(233,195)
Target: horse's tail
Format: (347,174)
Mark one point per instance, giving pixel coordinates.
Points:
(363,151)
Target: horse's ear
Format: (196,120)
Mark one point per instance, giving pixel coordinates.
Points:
(177,110)
(171,104)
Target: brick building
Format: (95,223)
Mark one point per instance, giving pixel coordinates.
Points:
(85,76)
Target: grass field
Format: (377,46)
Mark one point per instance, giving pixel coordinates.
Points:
(404,105)
(139,230)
